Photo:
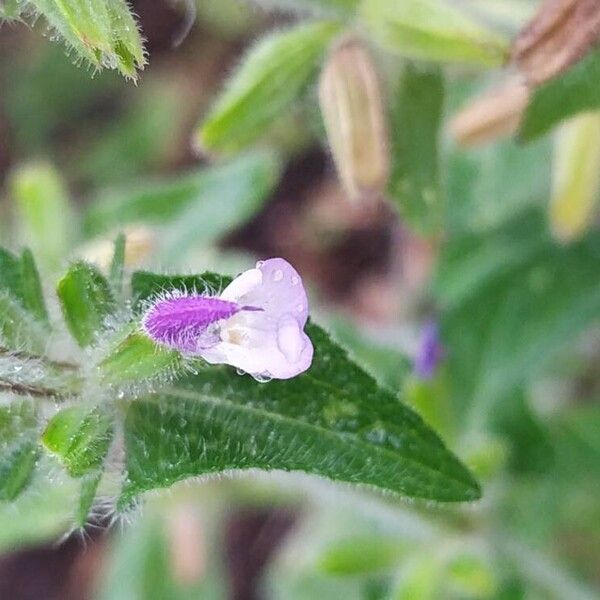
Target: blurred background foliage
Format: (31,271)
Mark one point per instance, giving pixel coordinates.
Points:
(198,178)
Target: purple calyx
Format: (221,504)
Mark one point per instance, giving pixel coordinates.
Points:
(182,321)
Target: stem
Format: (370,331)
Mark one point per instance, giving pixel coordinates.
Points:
(58,364)
(31,390)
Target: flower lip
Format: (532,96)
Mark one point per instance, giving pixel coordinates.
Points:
(256,324)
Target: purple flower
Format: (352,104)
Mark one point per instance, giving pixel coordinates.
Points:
(256,324)
(429,353)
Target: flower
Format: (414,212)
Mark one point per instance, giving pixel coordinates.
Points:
(430,351)
(256,324)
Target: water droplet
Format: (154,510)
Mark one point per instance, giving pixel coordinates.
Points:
(277,275)
(260,263)
(295,280)
(262,377)
(300,308)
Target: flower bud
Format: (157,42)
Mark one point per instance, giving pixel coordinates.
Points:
(495,114)
(561,33)
(354,117)
(576,184)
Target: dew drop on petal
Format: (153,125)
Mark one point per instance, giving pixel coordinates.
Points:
(277,275)
(295,280)
(262,377)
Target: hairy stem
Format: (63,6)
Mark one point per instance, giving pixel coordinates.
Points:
(31,390)
(57,364)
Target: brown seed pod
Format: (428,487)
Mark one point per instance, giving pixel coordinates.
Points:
(353,112)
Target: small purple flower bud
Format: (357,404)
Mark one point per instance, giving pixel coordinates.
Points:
(429,353)
(256,324)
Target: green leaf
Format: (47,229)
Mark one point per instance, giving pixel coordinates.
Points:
(80,438)
(225,202)
(86,301)
(33,296)
(489,186)
(87,495)
(335,417)
(138,359)
(576,90)
(361,554)
(18,329)
(432,30)
(270,80)
(517,311)
(18,448)
(45,214)
(20,280)
(416,119)
(244,182)
(102,32)
(333,421)
(42,512)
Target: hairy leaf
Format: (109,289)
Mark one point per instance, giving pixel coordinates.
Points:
(18,448)
(333,421)
(101,32)
(86,301)
(269,81)
(80,438)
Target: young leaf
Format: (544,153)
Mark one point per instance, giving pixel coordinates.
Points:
(101,32)
(334,421)
(46,217)
(18,448)
(80,437)
(138,359)
(18,329)
(270,80)
(87,495)
(20,280)
(432,30)
(575,91)
(416,119)
(33,296)
(86,301)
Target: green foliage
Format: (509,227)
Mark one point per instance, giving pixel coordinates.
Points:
(102,33)
(80,437)
(18,448)
(239,187)
(416,117)
(524,299)
(574,91)
(270,80)
(86,301)
(45,214)
(431,30)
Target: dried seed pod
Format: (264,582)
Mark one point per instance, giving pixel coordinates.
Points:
(561,33)
(495,114)
(355,120)
(576,185)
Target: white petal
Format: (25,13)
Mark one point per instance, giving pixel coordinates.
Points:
(242,284)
